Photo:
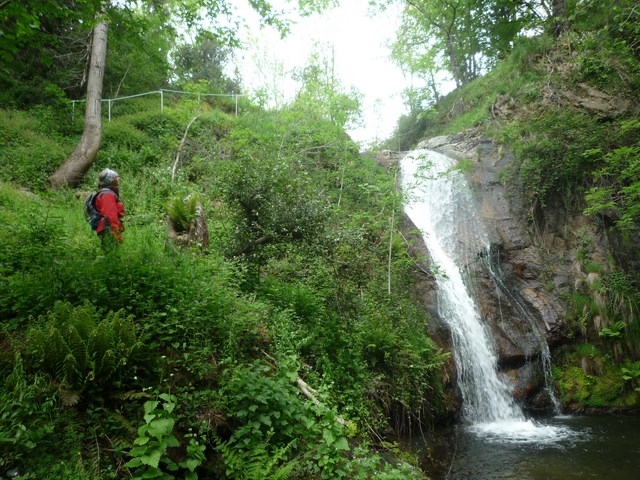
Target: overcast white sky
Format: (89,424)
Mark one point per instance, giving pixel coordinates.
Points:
(361,60)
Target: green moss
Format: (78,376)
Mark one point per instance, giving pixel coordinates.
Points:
(604,389)
(573,383)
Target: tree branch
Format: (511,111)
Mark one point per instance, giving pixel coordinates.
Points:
(184,138)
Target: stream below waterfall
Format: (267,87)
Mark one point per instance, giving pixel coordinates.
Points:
(495,439)
(594,447)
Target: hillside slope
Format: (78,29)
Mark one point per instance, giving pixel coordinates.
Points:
(289,346)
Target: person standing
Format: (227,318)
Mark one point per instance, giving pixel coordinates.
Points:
(110,209)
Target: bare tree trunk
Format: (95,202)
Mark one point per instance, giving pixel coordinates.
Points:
(559,14)
(458,75)
(72,171)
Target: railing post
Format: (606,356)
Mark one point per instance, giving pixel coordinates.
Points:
(161,92)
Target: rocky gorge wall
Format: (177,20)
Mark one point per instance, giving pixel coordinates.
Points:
(523,283)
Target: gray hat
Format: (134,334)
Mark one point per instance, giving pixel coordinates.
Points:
(106,177)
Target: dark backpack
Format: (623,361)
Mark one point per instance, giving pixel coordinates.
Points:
(91,214)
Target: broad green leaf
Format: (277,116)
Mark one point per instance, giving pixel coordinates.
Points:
(161,427)
(152,458)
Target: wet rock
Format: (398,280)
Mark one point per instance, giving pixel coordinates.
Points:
(526,381)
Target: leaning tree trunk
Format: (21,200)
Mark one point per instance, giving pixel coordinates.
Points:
(72,171)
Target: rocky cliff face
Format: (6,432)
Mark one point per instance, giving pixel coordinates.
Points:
(522,281)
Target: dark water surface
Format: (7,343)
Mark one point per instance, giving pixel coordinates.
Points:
(603,447)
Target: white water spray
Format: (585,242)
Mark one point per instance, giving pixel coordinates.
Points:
(440,205)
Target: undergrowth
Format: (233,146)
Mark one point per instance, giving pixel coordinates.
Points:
(294,288)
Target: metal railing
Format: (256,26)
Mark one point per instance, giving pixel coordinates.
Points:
(161,92)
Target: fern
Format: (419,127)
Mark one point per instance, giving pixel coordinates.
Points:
(77,363)
(182,212)
(256,462)
(79,349)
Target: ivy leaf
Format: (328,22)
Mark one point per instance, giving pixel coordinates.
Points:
(191,464)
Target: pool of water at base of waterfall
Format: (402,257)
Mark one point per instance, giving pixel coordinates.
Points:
(591,447)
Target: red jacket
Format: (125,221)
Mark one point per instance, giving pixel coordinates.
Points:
(110,207)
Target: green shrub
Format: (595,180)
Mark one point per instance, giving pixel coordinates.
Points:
(27,154)
(271,416)
(123,135)
(159,125)
(616,185)
(550,155)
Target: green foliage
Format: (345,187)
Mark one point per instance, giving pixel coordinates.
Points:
(550,155)
(271,417)
(614,331)
(592,267)
(81,350)
(577,387)
(25,404)
(277,434)
(622,294)
(140,39)
(256,464)
(272,191)
(205,59)
(182,212)
(631,375)
(321,294)
(617,189)
(123,135)
(154,440)
(588,378)
(27,154)
(31,239)
(322,95)
(408,131)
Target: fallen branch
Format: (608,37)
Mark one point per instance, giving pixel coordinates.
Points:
(307,391)
(184,138)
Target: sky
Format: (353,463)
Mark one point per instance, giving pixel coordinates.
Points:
(361,54)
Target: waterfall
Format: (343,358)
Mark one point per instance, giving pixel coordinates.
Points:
(492,265)
(439,203)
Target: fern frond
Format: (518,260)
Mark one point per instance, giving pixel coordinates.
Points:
(108,365)
(70,371)
(256,461)
(80,350)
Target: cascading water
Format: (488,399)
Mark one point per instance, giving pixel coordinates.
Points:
(440,204)
(493,267)
(497,441)
(443,210)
